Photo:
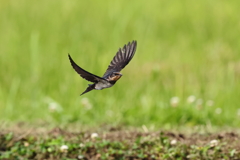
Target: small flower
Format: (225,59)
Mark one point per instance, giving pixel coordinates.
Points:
(191,99)
(54,107)
(81,145)
(26,144)
(49,149)
(174,101)
(210,103)
(94,135)
(173,142)
(213,143)
(80,156)
(86,103)
(64,148)
(218,110)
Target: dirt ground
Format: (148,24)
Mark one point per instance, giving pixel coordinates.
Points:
(196,145)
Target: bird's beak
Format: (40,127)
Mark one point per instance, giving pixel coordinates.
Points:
(118,73)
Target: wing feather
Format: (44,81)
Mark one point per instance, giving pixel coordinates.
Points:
(83,73)
(122,58)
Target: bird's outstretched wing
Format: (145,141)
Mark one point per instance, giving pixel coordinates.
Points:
(85,74)
(122,58)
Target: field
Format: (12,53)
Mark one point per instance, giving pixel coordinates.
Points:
(117,143)
(183,79)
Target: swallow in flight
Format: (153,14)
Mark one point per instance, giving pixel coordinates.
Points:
(112,74)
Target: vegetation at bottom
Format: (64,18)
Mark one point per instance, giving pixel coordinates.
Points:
(119,145)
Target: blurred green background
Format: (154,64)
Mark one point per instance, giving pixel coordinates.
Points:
(186,70)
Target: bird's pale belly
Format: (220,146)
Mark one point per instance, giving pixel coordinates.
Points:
(101,85)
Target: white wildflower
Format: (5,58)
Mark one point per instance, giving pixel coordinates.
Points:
(64,148)
(26,144)
(94,135)
(173,142)
(174,101)
(54,107)
(213,143)
(218,110)
(80,156)
(81,145)
(191,99)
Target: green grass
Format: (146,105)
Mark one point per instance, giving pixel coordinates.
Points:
(118,146)
(184,48)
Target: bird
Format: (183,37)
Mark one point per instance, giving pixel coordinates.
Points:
(112,74)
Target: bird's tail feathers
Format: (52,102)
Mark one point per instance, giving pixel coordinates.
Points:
(89,88)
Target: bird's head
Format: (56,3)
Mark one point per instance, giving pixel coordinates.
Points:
(115,76)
